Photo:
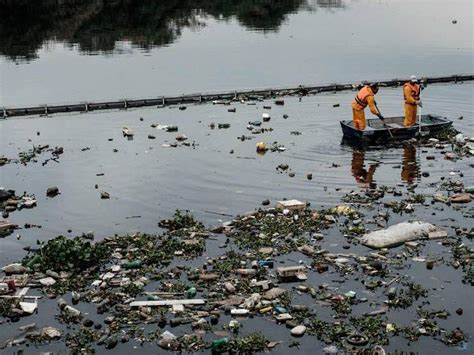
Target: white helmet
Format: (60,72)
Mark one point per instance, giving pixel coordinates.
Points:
(413,79)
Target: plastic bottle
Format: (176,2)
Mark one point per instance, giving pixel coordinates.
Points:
(33,261)
(191,292)
(280,309)
(136,264)
(219,343)
(265,263)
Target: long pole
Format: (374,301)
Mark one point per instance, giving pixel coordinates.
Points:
(419,122)
(384,124)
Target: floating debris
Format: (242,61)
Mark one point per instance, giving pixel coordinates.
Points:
(401,233)
(261,147)
(127,132)
(52,191)
(32,154)
(9,202)
(291,205)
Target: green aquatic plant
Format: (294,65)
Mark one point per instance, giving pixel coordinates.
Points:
(372,327)
(67,254)
(6,306)
(405,297)
(180,220)
(248,344)
(417,198)
(228,263)
(454,337)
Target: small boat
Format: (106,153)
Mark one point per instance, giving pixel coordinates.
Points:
(376,132)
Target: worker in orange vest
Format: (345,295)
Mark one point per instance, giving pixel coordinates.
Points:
(411,94)
(364,98)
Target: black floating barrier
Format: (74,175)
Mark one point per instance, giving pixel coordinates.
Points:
(199,98)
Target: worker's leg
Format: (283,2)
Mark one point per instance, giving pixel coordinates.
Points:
(413,115)
(406,120)
(410,115)
(359,119)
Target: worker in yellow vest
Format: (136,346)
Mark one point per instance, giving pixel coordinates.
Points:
(364,98)
(411,95)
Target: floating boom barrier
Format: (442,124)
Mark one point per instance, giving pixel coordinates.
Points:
(243,95)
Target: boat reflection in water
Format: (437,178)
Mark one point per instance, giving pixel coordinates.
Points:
(364,173)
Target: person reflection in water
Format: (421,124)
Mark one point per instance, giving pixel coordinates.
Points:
(410,166)
(359,172)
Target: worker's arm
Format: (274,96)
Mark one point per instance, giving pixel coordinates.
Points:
(372,106)
(409,99)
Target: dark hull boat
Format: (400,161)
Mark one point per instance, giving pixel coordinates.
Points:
(376,132)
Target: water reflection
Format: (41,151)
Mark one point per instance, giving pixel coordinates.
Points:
(359,172)
(410,170)
(364,175)
(97,26)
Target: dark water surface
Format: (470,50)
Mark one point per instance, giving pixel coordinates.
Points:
(151,181)
(99,50)
(52,53)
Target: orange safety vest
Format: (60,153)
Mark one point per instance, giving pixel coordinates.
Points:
(415,91)
(362,95)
